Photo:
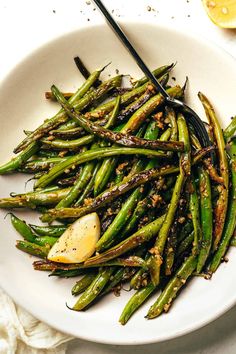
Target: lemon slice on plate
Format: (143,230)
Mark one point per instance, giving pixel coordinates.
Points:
(221,12)
(78,242)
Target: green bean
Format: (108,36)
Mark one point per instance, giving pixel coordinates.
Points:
(112,193)
(120,174)
(46,153)
(129,261)
(206,217)
(45,240)
(115,280)
(157,73)
(185,158)
(207,161)
(156,257)
(49,95)
(78,102)
(33,249)
(199,155)
(131,126)
(127,208)
(194,210)
(90,155)
(88,189)
(88,170)
(67,133)
(20,159)
(136,104)
(108,195)
(212,171)
(47,189)
(143,205)
(82,68)
(60,117)
(112,119)
(222,202)
(117,190)
(68,144)
(230,221)
(142,235)
(103,175)
(193,138)
(139,280)
(135,302)
(140,101)
(165,299)
(70,124)
(31,200)
(139,211)
(23,229)
(66,273)
(120,220)
(94,289)
(118,138)
(83,283)
(170,114)
(138,298)
(230,130)
(69,181)
(126,98)
(186,229)
(41,164)
(53,230)
(107,167)
(170,248)
(185,244)
(140,115)
(78,186)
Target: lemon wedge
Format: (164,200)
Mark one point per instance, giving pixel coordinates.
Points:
(78,242)
(221,12)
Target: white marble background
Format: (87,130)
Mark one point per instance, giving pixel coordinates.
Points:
(26,24)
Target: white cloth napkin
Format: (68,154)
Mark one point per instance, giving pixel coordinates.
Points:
(21,333)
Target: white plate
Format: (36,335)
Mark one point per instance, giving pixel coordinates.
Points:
(22,106)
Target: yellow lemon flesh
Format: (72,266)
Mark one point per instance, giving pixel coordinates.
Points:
(78,242)
(221,12)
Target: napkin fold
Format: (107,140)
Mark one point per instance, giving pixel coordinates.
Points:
(21,333)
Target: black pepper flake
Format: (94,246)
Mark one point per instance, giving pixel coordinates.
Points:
(149,8)
(54,11)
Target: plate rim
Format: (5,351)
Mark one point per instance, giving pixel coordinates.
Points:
(196,37)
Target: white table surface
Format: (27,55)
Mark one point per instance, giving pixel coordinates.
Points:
(26,24)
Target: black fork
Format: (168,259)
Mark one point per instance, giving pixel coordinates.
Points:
(191,116)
